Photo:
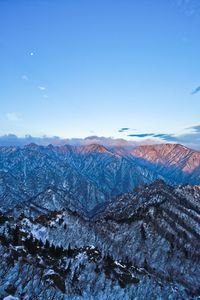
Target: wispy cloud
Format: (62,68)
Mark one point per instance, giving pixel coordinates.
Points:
(195,129)
(141,135)
(190,137)
(197,90)
(164,136)
(13,116)
(42,88)
(123,129)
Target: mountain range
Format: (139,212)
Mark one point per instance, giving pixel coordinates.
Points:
(95,222)
(90,176)
(145,245)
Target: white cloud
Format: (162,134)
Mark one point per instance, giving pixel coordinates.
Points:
(42,88)
(24,77)
(13,116)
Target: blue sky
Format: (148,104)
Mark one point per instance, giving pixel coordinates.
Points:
(78,68)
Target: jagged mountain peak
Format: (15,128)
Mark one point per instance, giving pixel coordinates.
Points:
(32,146)
(162,149)
(170,160)
(92,148)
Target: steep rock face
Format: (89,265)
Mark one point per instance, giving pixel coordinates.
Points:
(174,162)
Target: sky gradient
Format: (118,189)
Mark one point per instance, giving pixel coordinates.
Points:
(80,68)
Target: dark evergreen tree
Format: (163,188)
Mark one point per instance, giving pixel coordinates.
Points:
(69,251)
(60,222)
(47,244)
(16,236)
(52,250)
(31,245)
(40,244)
(143,233)
(69,267)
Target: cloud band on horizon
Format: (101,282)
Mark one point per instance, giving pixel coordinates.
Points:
(190,138)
